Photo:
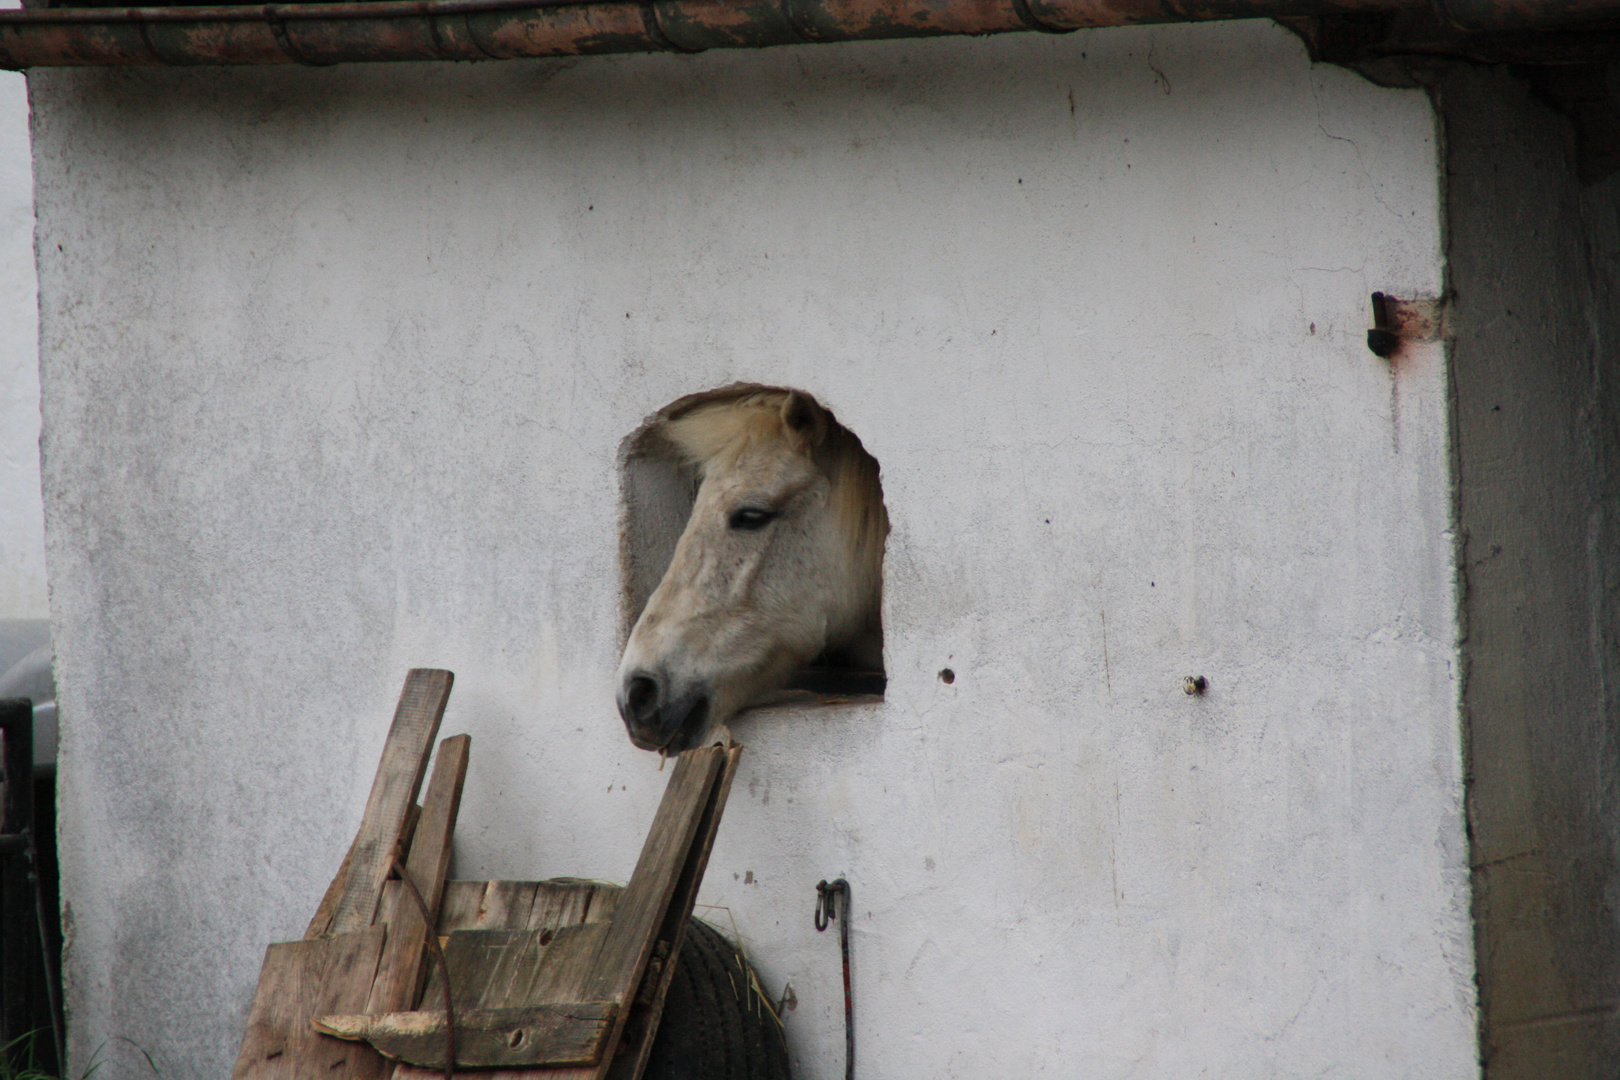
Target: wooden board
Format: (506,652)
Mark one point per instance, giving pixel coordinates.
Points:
(301,979)
(506,904)
(557,906)
(460,905)
(641,1025)
(335,969)
(564,906)
(550,977)
(572,901)
(351,901)
(565,1034)
(625,961)
(400,971)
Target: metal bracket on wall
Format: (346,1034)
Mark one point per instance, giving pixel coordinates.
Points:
(1397,323)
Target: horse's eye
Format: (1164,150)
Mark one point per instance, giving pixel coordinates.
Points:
(751,519)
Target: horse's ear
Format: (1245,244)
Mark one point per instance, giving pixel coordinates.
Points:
(801,414)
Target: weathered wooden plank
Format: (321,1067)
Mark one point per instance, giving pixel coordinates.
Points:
(429,860)
(562,902)
(514,967)
(473,956)
(329,902)
(399,973)
(461,903)
(394,789)
(617,969)
(642,907)
(302,979)
(535,1035)
(558,902)
(609,961)
(604,903)
(558,905)
(506,905)
(492,969)
(334,889)
(567,963)
(503,905)
(641,1025)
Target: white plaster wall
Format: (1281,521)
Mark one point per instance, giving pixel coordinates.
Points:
(336,364)
(22,519)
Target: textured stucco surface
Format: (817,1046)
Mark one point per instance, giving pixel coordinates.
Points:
(1535,261)
(336,365)
(22,520)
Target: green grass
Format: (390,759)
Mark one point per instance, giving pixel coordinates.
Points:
(17,1059)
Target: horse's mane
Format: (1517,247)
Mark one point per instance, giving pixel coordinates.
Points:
(721,425)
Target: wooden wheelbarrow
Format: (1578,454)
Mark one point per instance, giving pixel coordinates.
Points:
(559,980)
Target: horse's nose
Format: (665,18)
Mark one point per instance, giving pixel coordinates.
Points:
(662,715)
(638,700)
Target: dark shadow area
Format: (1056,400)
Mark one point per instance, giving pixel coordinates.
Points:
(1533,245)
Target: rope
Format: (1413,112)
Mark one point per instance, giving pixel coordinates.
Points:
(438,954)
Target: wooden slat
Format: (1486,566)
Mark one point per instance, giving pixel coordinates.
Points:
(300,980)
(583,937)
(334,888)
(558,902)
(502,905)
(474,956)
(398,779)
(461,904)
(399,974)
(506,905)
(609,961)
(604,903)
(616,971)
(562,903)
(534,1035)
(571,952)
(557,905)
(641,1025)
(506,981)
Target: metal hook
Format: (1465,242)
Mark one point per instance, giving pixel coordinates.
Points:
(826,902)
(827,910)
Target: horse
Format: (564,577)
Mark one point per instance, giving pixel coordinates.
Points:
(780,564)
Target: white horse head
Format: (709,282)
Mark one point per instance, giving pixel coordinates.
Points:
(781,563)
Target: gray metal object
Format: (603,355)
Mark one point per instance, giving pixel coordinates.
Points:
(27,671)
(21,888)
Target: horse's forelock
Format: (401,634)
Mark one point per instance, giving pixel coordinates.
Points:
(715,431)
(724,429)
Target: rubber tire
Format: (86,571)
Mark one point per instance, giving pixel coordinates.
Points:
(715,1026)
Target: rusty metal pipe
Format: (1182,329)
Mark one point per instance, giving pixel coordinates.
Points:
(365,9)
(388,30)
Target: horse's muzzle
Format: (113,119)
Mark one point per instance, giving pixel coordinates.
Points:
(657,720)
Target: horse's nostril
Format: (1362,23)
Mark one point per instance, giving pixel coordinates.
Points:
(641,696)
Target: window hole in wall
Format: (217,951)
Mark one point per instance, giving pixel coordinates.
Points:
(660,484)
